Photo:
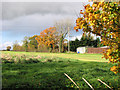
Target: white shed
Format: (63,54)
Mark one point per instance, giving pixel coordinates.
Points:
(81,49)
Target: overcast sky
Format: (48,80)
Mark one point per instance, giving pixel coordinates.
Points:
(20,19)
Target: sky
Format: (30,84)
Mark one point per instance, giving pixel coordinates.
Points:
(20,19)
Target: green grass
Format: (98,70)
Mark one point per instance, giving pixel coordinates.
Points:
(51,74)
(82,57)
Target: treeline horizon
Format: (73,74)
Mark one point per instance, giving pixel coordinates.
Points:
(30,44)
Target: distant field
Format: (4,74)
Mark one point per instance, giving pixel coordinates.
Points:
(83,57)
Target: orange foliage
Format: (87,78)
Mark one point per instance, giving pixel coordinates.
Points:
(47,37)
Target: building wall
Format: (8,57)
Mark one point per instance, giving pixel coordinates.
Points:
(96,50)
(81,50)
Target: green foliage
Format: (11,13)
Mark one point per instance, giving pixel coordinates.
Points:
(74,45)
(86,40)
(33,42)
(25,43)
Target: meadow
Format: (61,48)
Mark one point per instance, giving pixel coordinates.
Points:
(46,70)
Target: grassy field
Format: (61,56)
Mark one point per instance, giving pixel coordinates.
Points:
(50,74)
(82,57)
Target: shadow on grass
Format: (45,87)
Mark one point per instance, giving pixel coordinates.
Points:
(51,74)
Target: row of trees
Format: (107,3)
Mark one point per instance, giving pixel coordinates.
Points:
(48,40)
(86,40)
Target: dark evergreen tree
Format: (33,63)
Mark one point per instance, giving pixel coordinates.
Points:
(86,40)
(25,43)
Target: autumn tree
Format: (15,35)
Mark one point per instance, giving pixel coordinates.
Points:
(62,28)
(48,37)
(8,48)
(103,19)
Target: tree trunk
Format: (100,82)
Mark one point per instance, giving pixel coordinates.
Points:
(60,44)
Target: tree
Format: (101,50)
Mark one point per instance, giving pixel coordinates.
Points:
(74,45)
(64,45)
(33,44)
(62,28)
(25,43)
(87,40)
(8,48)
(48,37)
(103,19)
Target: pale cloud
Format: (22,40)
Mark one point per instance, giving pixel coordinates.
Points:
(78,37)
(4,45)
(32,18)
(12,10)
(31,24)
(95,37)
